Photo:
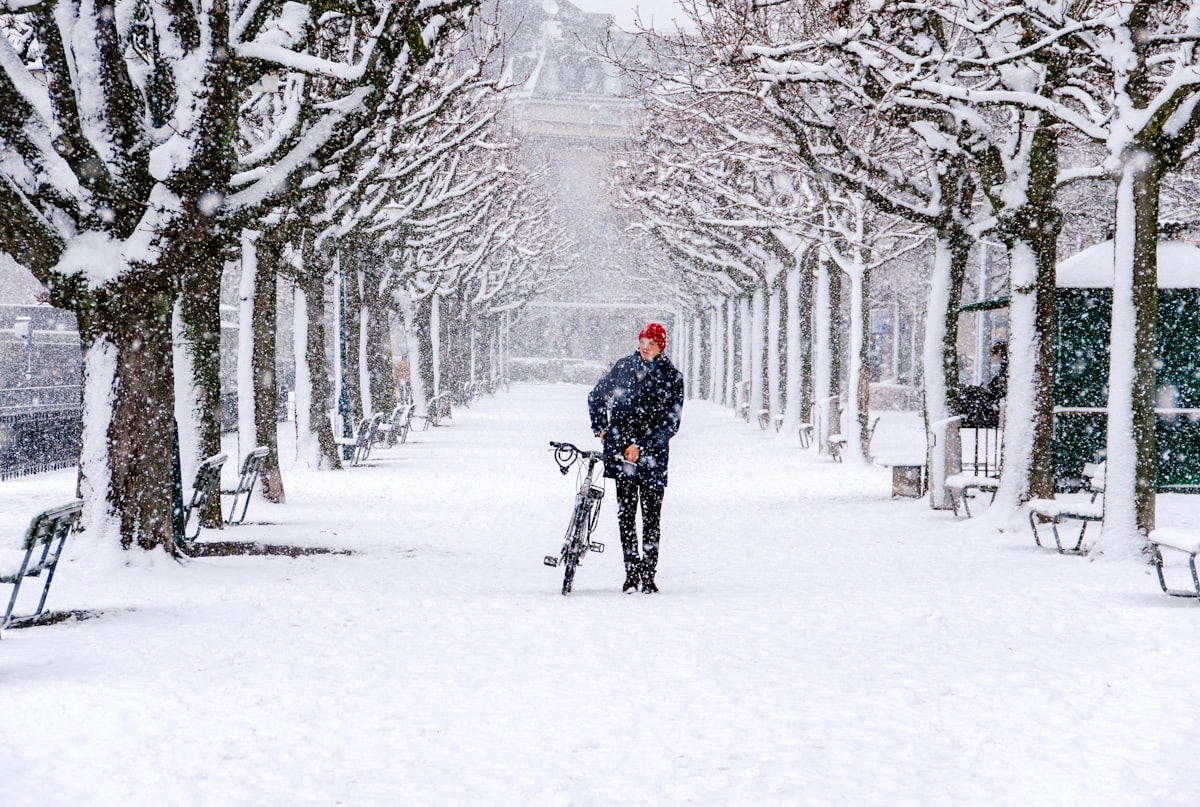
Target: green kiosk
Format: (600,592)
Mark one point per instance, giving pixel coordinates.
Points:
(1081,375)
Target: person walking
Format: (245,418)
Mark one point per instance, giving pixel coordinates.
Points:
(635,411)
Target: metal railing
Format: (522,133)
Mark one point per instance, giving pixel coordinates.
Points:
(33,441)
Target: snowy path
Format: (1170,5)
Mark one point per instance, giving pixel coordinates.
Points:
(815,642)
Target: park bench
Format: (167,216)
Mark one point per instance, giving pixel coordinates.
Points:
(462,397)
(395,429)
(206,485)
(980,471)
(361,441)
(805,430)
(836,443)
(1085,507)
(1178,542)
(251,467)
(443,407)
(439,409)
(43,547)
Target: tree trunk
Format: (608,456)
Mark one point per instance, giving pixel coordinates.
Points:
(141,430)
(745,333)
(941,362)
(1132,470)
(313,284)
(266,395)
(351,330)
(836,364)
(758,325)
(456,346)
(794,327)
(1031,235)
(381,365)
(417,316)
(774,353)
(861,378)
(731,363)
(200,312)
(433,343)
(823,384)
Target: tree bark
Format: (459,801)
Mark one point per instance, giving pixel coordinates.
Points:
(200,311)
(351,324)
(1129,501)
(862,383)
(381,365)
(140,437)
(266,394)
(313,284)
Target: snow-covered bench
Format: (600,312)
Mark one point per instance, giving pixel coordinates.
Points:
(251,468)
(206,485)
(980,473)
(440,408)
(46,535)
(1085,507)
(963,485)
(396,428)
(835,444)
(1176,541)
(361,441)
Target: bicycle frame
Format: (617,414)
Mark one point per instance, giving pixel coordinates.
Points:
(578,540)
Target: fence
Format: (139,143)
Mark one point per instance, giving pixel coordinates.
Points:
(33,441)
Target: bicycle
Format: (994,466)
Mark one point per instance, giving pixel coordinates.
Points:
(578,540)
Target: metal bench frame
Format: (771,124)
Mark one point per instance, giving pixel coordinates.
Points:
(363,439)
(206,485)
(981,471)
(251,468)
(1052,511)
(439,408)
(49,530)
(397,428)
(1156,548)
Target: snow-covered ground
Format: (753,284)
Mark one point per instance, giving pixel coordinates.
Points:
(815,642)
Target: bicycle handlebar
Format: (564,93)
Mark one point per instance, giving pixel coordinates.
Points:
(566,454)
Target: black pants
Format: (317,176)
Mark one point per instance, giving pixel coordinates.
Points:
(628,494)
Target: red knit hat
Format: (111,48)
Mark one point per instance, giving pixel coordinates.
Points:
(656,333)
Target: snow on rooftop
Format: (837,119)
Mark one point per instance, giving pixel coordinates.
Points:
(1178,266)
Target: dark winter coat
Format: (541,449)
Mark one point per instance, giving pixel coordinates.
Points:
(638,412)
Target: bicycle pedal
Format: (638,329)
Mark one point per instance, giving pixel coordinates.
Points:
(596,546)
(550,560)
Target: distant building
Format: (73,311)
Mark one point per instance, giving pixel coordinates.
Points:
(554,50)
(41,364)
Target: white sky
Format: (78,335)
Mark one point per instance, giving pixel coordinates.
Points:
(659,11)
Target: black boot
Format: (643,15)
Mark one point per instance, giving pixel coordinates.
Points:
(632,580)
(648,586)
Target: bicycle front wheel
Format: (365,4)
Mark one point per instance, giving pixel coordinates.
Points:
(574,547)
